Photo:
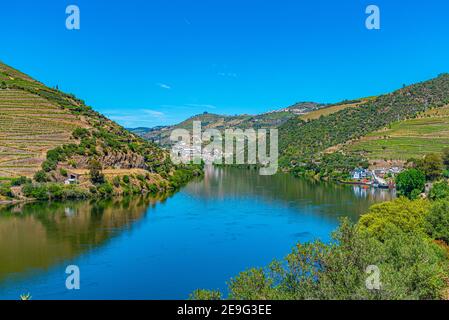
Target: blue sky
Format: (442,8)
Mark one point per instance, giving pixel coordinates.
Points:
(156,62)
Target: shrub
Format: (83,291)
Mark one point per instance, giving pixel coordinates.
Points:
(63,172)
(438,221)
(20,181)
(431,165)
(440,190)
(80,133)
(402,214)
(116,181)
(95,171)
(105,189)
(40,176)
(126,179)
(410,182)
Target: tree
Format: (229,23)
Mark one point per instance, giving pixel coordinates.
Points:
(446,157)
(431,165)
(40,176)
(440,190)
(410,183)
(95,171)
(438,221)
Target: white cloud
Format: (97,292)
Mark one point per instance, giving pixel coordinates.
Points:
(228,74)
(207,106)
(154,113)
(163,86)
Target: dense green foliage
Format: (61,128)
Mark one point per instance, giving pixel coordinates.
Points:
(438,221)
(439,191)
(335,166)
(410,183)
(95,172)
(300,141)
(54,191)
(403,214)
(431,165)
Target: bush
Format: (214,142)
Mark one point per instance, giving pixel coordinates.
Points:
(401,214)
(126,179)
(438,221)
(105,189)
(440,190)
(63,172)
(431,165)
(40,176)
(95,171)
(116,181)
(410,183)
(20,181)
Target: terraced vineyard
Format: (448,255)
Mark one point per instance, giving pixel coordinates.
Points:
(30,126)
(429,133)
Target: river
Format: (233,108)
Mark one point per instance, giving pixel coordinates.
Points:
(165,247)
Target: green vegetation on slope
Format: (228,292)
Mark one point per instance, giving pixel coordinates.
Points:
(302,141)
(44,128)
(429,133)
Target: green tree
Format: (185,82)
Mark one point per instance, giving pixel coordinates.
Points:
(40,176)
(95,171)
(446,157)
(410,182)
(402,214)
(438,221)
(431,165)
(440,190)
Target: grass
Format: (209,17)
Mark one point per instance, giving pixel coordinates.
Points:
(429,133)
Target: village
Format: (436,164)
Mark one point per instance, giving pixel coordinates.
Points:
(378,177)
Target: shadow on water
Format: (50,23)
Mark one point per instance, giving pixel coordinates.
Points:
(39,235)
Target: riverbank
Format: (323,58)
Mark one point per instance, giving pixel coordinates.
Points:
(108,183)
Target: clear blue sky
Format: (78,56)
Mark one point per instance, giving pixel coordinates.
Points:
(146,63)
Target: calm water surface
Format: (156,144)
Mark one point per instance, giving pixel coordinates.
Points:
(166,247)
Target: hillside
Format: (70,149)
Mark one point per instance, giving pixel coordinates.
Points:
(271,119)
(428,133)
(44,129)
(303,141)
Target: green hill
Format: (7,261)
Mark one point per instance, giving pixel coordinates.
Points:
(42,128)
(266,120)
(303,141)
(428,133)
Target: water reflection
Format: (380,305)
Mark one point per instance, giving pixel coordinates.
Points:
(155,248)
(284,189)
(38,235)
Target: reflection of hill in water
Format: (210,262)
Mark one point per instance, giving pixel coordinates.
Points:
(284,189)
(38,235)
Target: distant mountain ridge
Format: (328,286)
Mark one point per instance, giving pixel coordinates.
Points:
(270,119)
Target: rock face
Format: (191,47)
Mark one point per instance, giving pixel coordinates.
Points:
(114,160)
(119,160)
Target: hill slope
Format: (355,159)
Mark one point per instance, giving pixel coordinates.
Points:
(44,128)
(266,120)
(428,133)
(301,141)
